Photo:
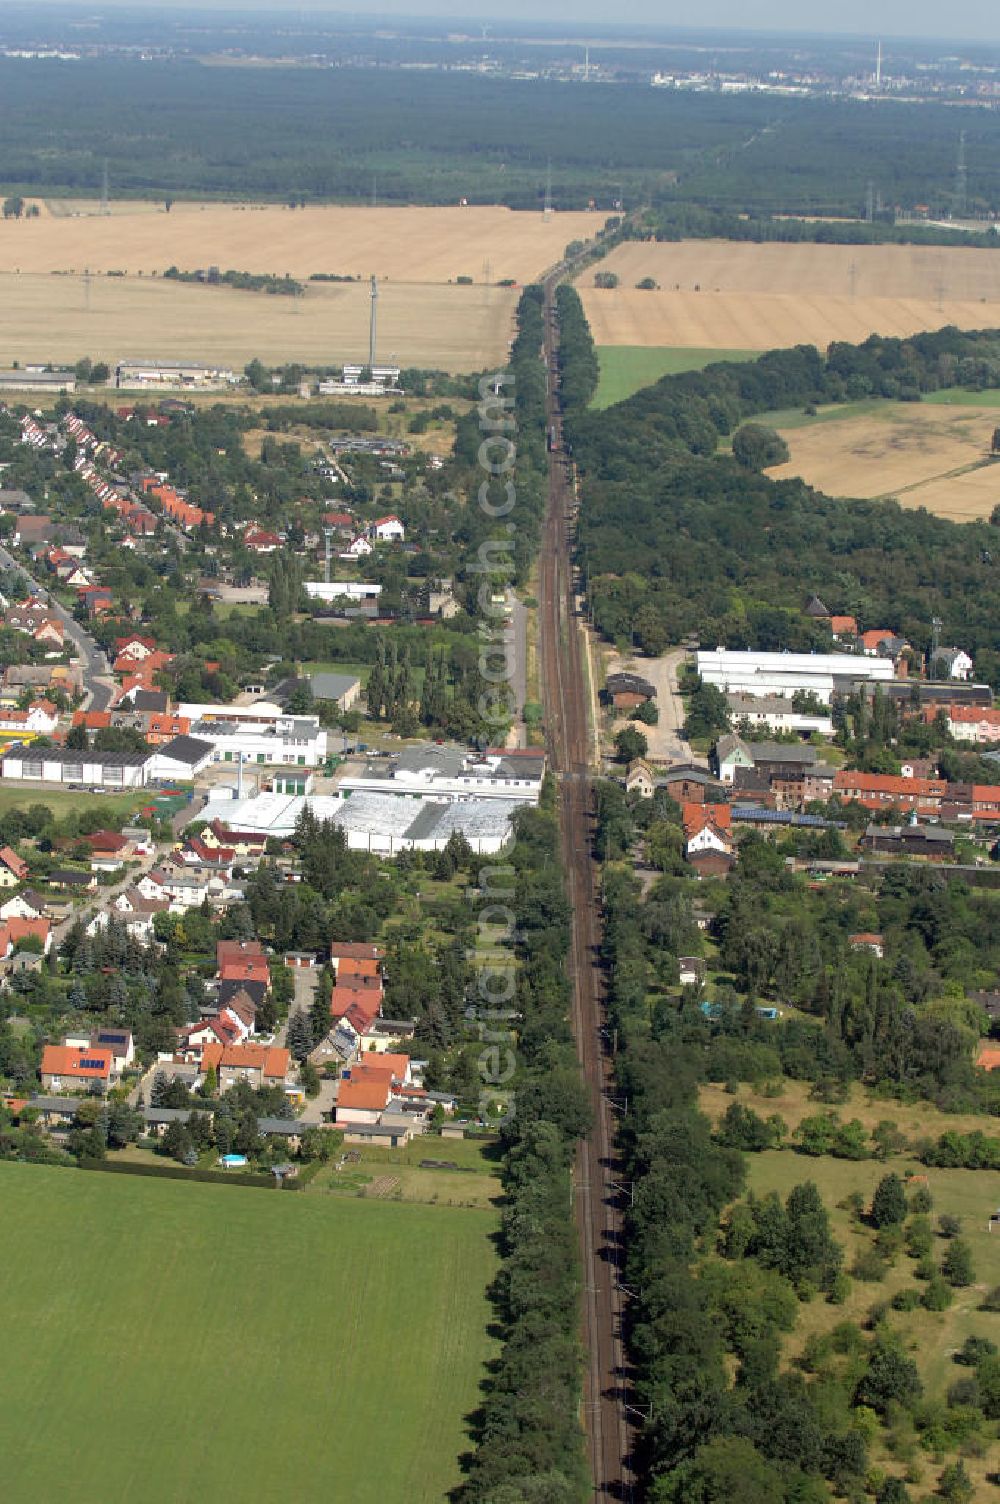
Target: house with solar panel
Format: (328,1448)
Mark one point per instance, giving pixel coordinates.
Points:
(73,1068)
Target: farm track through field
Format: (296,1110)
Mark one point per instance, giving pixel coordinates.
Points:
(598,1200)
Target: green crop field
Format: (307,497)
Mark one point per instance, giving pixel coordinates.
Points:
(170,1341)
(627,368)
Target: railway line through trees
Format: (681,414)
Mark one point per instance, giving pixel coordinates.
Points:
(597,1178)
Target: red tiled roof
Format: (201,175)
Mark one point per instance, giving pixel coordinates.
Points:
(696,816)
(354,951)
(88,1064)
(368,1091)
(17,864)
(887,783)
(265,1058)
(872,638)
(354,966)
(971,715)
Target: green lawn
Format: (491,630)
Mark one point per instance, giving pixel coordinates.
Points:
(627,368)
(956,396)
(171,1341)
(399,1175)
(116,807)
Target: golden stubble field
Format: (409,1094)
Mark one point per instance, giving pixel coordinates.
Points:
(922,455)
(49,318)
(734,295)
(57,302)
(403,245)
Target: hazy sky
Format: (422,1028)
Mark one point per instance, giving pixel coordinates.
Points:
(968,20)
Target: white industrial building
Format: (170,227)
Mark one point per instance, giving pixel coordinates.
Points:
(341,590)
(60,765)
(382,823)
(290,741)
(260,712)
(182,758)
(767,674)
(777,714)
(171,373)
(452,773)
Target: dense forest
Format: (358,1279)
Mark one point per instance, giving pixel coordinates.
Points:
(676,537)
(529,1441)
(681,220)
(326,134)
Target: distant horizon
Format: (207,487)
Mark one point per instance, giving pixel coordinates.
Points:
(975,22)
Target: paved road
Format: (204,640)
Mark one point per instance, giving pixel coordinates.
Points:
(97,683)
(104,897)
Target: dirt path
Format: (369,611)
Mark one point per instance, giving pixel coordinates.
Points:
(666,739)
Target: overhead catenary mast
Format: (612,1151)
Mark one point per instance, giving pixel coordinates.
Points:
(961,180)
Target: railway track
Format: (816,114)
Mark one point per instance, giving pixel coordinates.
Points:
(597,1180)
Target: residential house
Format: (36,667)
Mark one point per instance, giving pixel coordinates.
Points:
(258,1064)
(352,950)
(708,838)
(950,663)
(73,879)
(363,1096)
(729,753)
(13,868)
(69,1068)
(388,530)
(875,944)
(194,1039)
(843,627)
(162,728)
(973,723)
(259,541)
(14,932)
(23,905)
(639,779)
(119,1042)
(242,997)
(242,961)
(690,971)
(884,791)
(41,718)
(357,548)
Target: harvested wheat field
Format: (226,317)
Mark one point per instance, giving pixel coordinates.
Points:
(406,245)
(51,318)
(727,295)
(923,456)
